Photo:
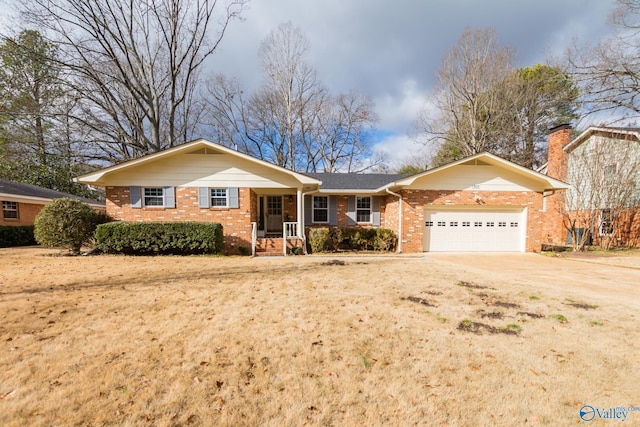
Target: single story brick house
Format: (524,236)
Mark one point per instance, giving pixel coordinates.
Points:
(21,203)
(480,203)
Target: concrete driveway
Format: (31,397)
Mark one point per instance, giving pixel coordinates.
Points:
(594,280)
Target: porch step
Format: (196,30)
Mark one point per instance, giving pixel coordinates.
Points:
(267,246)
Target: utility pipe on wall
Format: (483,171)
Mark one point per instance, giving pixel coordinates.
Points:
(399,196)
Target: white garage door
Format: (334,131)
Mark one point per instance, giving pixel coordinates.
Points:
(474,230)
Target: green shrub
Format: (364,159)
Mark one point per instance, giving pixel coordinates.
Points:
(66,223)
(244,250)
(319,239)
(384,240)
(297,250)
(359,239)
(21,235)
(180,238)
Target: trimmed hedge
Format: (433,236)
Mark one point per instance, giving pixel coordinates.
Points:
(19,235)
(324,239)
(160,238)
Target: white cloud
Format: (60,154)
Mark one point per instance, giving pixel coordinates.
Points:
(398,109)
(398,148)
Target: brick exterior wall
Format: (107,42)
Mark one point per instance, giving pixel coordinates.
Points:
(343,208)
(27,213)
(236,223)
(414,201)
(554,230)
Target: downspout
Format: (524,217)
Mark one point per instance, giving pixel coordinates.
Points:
(399,196)
(301,204)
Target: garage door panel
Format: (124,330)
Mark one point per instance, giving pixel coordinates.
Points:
(477,230)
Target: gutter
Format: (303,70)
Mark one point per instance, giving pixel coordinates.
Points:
(399,196)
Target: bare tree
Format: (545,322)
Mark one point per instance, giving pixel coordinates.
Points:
(341,133)
(291,119)
(290,92)
(609,73)
(604,199)
(469,108)
(135,64)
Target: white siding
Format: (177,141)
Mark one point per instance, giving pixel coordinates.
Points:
(203,170)
(476,178)
(607,164)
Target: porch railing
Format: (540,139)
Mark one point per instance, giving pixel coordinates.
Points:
(289,231)
(254,238)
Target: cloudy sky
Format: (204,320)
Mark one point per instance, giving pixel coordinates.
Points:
(391,50)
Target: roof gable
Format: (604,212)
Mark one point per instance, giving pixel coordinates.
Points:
(610,132)
(494,172)
(199,146)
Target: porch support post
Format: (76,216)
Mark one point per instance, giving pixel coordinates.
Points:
(300,213)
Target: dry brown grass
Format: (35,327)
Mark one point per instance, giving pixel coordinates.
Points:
(162,341)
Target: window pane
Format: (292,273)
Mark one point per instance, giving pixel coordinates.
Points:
(363,216)
(363,209)
(320,209)
(10,210)
(320,215)
(363,203)
(153,196)
(320,202)
(218,197)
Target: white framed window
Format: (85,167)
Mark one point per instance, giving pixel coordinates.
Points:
(219,197)
(363,209)
(606,222)
(154,197)
(9,210)
(320,209)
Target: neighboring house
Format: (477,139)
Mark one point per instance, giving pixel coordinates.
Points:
(602,165)
(481,203)
(21,203)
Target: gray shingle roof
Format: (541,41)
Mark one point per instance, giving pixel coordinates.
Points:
(28,190)
(354,181)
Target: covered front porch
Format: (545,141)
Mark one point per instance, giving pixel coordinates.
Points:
(279,222)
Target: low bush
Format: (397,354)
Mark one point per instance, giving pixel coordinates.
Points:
(318,239)
(159,238)
(21,235)
(359,239)
(384,240)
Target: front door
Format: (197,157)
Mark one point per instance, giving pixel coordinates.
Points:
(274,214)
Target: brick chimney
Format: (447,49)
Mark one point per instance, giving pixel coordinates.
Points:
(559,136)
(553,229)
